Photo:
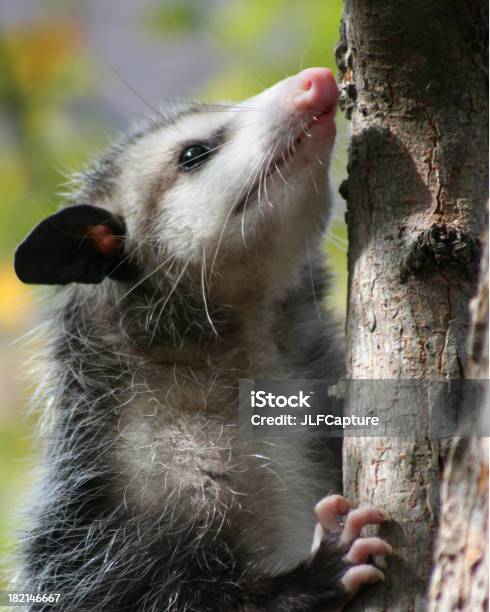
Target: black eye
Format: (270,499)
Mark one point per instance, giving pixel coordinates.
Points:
(193,156)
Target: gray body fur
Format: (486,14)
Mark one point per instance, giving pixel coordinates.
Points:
(150,500)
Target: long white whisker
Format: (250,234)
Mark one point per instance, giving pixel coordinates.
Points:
(266,175)
(208,316)
(278,170)
(313,180)
(146,277)
(340,239)
(255,171)
(333,239)
(172,290)
(318,313)
(225,224)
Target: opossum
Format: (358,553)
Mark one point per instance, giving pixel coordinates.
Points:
(192,256)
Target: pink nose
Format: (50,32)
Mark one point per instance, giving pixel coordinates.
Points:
(316,90)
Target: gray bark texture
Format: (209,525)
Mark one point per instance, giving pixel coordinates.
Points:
(414,77)
(461,564)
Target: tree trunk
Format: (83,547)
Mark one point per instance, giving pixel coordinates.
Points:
(414,82)
(460,576)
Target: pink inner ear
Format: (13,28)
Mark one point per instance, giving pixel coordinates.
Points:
(102,238)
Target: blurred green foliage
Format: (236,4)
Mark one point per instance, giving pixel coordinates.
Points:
(263,40)
(42,70)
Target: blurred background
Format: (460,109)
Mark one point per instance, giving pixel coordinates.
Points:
(75,73)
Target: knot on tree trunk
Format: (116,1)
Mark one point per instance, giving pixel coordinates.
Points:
(440,246)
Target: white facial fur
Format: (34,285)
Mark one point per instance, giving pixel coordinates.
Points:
(260,184)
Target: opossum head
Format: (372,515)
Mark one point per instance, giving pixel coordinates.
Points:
(231,189)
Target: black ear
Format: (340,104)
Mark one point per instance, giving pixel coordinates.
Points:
(78,244)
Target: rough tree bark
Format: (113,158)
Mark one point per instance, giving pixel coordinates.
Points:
(460,576)
(413,75)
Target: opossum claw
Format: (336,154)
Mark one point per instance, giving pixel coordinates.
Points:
(358,549)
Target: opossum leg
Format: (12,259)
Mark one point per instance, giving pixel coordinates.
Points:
(336,569)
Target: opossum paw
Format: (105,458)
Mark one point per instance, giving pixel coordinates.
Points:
(348,535)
